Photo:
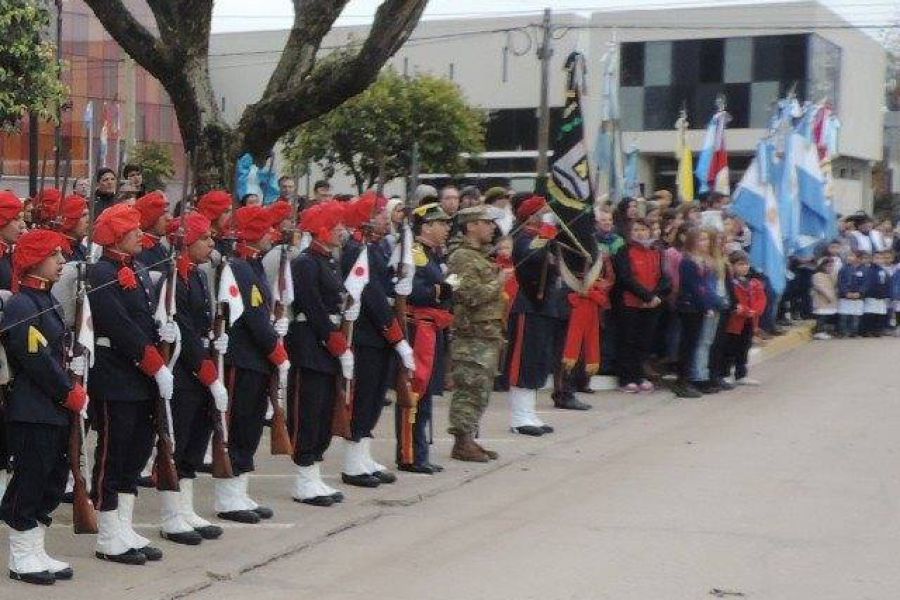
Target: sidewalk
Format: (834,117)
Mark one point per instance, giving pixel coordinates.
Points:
(298,527)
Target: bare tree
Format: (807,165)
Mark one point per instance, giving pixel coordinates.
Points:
(301,88)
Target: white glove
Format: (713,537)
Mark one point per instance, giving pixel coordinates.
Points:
(406,355)
(77,366)
(283,370)
(219,394)
(346,364)
(220,344)
(168,332)
(281,326)
(404,287)
(352,313)
(452,280)
(165,381)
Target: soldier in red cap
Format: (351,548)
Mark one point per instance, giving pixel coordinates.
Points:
(377,336)
(255,353)
(12,225)
(197,379)
(128,376)
(38,407)
(318,349)
(154,209)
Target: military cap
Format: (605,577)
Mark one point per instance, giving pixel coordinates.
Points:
(494,194)
(430,212)
(475,213)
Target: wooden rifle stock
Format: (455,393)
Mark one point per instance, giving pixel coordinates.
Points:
(84,517)
(406,398)
(164,465)
(280,439)
(343,398)
(221,461)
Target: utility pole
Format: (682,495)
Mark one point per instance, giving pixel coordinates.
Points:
(413,176)
(545,52)
(57,131)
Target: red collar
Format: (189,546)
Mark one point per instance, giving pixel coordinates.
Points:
(117,257)
(247,252)
(185,266)
(149,240)
(36,283)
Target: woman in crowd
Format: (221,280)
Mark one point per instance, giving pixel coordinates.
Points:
(691,305)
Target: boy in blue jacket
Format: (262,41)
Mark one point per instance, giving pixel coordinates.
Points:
(851,291)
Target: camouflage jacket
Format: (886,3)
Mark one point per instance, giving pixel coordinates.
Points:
(478,305)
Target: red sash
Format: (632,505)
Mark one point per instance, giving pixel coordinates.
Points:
(428,322)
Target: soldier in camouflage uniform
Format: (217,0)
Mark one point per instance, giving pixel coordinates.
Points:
(478,311)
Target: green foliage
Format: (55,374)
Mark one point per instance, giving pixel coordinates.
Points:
(29,75)
(156,161)
(382,123)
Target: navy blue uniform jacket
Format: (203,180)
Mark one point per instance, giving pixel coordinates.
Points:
(125,317)
(35,346)
(252,338)
(194,317)
(318,294)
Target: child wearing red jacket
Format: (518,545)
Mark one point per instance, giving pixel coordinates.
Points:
(750,303)
(641,286)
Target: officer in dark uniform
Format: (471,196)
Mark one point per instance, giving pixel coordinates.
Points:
(155,218)
(12,225)
(255,353)
(429,318)
(376,336)
(197,380)
(318,349)
(129,374)
(38,406)
(534,317)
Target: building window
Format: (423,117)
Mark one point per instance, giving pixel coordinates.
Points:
(658,78)
(632,67)
(514,129)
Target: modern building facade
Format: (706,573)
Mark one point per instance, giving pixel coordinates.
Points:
(126,99)
(669,59)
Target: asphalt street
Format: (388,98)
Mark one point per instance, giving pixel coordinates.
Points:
(784,491)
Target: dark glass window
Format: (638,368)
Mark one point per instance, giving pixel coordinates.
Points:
(660,107)
(711,60)
(512,129)
(686,61)
(779,58)
(632,64)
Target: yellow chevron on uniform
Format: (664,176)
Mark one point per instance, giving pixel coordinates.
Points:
(36,340)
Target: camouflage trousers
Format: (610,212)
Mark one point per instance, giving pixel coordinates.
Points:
(475,363)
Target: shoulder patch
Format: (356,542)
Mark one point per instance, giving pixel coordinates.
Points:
(36,340)
(419,257)
(256,297)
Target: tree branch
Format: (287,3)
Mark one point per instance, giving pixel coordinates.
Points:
(313,19)
(135,39)
(330,83)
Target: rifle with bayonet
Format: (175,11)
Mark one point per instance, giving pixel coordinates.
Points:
(407,399)
(84,518)
(280,441)
(164,464)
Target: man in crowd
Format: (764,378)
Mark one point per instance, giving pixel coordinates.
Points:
(134,175)
(287,188)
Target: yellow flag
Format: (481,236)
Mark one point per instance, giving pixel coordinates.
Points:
(36,340)
(256,298)
(685,174)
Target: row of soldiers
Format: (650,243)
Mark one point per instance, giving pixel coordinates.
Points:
(215,321)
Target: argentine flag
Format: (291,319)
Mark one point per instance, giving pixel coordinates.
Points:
(755,203)
(816,214)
